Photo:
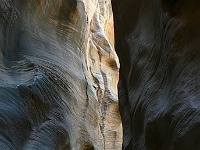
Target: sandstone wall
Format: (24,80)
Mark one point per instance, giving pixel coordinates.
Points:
(58,75)
(157,42)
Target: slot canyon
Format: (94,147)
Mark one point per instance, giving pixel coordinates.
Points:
(99,75)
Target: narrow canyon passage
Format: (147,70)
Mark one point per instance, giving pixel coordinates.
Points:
(59,75)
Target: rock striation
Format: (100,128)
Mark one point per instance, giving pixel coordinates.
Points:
(157,42)
(58,76)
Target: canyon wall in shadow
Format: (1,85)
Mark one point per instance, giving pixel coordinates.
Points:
(157,42)
(58,76)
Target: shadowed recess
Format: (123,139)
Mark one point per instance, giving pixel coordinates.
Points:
(159,85)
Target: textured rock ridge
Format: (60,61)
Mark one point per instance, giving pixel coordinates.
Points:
(157,42)
(58,76)
(103,66)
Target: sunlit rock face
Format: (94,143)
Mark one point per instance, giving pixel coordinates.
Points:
(58,76)
(157,42)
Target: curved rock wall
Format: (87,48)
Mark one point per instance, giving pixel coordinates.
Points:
(58,75)
(157,42)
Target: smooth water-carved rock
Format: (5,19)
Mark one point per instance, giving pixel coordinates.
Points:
(157,42)
(58,76)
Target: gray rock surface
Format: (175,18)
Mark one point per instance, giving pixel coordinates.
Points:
(58,76)
(157,42)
